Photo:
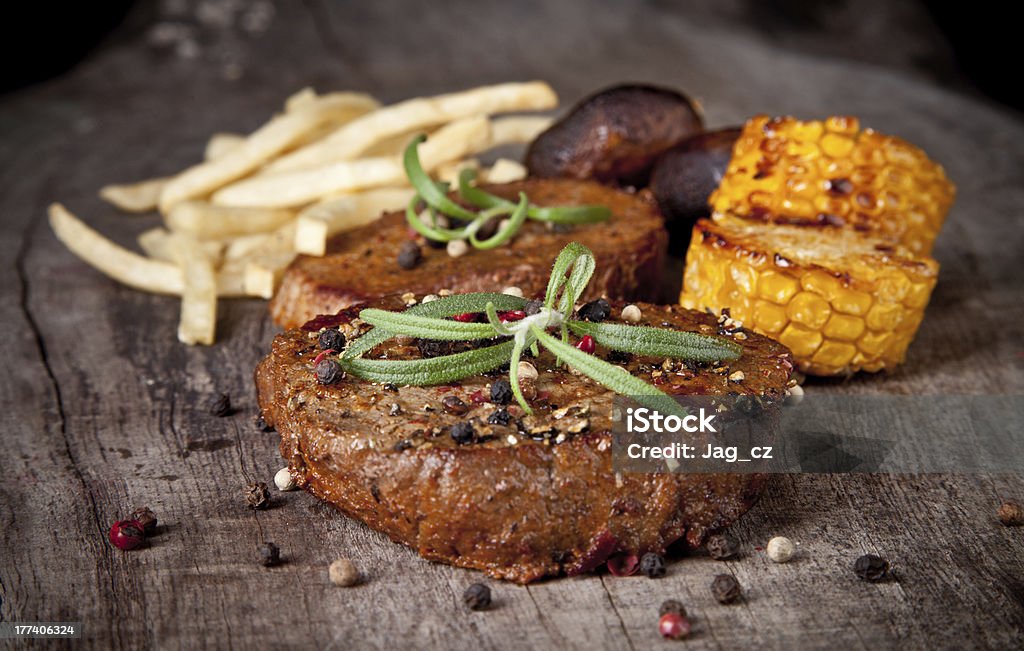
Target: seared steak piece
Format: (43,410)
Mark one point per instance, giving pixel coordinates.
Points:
(361,265)
(521,497)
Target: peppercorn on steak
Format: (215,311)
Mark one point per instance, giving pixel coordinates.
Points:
(362,264)
(463,475)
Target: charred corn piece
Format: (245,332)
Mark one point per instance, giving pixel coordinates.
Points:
(832,172)
(841,301)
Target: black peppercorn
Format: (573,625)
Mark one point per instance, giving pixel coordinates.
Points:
(532,307)
(652,565)
(501,391)
(595,311)
(454,405)
(146,518)
(500,416)
(258,495)
(619,357)
(477,597)
(726,588)
(221,406)
(391,386)
(269,554)
(404,444)
(410,255)
(328,371)
(434,348)
(672,606)
(871,568)
(331,339)
(462,433)
(722,546)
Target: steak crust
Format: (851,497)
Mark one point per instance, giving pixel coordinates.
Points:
(361,265)
(529,499)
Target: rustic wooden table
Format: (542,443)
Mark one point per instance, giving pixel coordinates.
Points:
(104,410)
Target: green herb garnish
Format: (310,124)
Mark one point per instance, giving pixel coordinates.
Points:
(569,278)
(435,196)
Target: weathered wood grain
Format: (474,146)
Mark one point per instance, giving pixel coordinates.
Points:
(104,411)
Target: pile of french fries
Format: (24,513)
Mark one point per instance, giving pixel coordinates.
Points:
(327,164)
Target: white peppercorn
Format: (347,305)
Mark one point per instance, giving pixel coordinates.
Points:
(780,549)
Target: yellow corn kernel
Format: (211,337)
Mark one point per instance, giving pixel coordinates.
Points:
(769,318)
(843,327)
(884,316)
(802,341)
(836,146)
(852,302)
(833,354)
(809,310)
(778,287)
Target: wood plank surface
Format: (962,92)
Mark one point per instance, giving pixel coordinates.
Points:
(103,410)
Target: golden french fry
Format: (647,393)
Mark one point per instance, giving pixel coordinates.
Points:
(198,319)
(266,142)
(124,266)
(254,246)
(356,137)
(449,172)
(504,171)
(220,144)
(453,141)
(299,99)
(320,221)
(263,276)
(158,243)
(134,197)
(518,129)
(206,221)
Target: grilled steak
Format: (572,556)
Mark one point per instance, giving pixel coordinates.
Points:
(360,265)
(527,496)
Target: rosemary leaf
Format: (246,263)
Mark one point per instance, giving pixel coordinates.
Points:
(658,342)
(587,214)
(425,327)
(434,370)
(610,376)
(447,306)
(433,193)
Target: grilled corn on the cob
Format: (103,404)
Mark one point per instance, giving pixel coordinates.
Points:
(841,301)
(832,172)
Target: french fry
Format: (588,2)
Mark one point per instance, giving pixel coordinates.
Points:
(122,265)
(449,172)
(158,243)
(135,197)
(263,276)
(266,142)
(299,99)
(198,320)
(453,141)
(504,171)
(319,222)
(206,221)
(354,138)
(220,144)
(254,246)
(518,129)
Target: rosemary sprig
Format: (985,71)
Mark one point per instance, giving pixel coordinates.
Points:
(569,278)
(435,196)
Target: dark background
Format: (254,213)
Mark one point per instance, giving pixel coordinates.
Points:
(966,46)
